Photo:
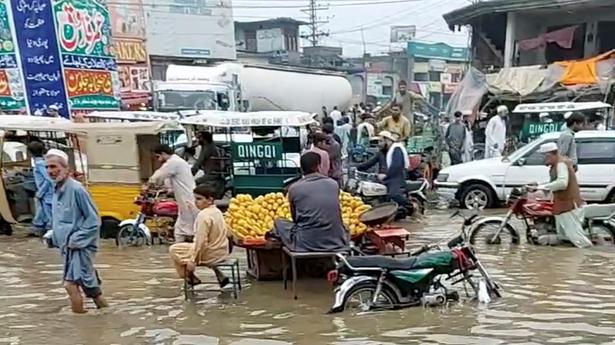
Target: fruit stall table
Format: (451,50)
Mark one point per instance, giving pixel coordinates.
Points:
(264,258)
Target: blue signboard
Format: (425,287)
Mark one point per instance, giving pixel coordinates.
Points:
(40,56)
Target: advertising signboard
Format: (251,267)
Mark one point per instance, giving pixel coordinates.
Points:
(11,86)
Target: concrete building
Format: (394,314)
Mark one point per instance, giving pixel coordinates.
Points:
(507,33)
(436,69)
(273,41)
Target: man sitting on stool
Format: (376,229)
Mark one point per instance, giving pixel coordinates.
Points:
(317,217)
(210,244)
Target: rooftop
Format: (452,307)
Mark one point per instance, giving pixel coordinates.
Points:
(466,14)
(272,21)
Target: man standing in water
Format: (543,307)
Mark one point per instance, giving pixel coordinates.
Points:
(75,224)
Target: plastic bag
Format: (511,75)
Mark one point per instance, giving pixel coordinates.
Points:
(483,294)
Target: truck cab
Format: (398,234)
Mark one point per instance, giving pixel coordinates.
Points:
(172,96)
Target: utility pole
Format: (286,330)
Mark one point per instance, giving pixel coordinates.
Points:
(314,22)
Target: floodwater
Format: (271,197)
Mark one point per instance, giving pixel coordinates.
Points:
(551,296)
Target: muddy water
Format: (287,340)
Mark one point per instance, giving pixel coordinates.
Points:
(551,296)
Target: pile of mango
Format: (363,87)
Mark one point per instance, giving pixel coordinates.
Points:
(352,208)
(249,219)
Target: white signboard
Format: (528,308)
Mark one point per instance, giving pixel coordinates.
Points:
(446,78)
(200,29)
(250,119)
(402,33)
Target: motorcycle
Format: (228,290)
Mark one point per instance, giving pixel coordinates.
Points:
(538,218)
(373,192)
(380,282)
(162,211)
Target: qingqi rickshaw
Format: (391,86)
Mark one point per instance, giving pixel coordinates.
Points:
(264,148)
(113,160)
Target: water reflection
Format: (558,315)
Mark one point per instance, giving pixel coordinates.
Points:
(551,295)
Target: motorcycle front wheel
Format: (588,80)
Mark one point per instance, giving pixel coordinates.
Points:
(360,297)
(130,236)
(484,235)
(602,235)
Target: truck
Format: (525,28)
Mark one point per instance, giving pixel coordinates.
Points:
(238,87)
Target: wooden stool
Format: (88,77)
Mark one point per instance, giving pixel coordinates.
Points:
(228,266)
(294,256)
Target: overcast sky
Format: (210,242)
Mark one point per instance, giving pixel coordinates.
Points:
(346,21)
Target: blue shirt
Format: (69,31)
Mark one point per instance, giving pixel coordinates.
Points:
(75,221)
(44,185)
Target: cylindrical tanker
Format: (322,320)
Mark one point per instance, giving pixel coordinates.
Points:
(269,87)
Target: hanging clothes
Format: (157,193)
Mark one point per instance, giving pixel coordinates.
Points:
(562,37)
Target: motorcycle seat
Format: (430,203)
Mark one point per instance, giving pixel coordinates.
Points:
(413,186)
(598,211)
(427,260)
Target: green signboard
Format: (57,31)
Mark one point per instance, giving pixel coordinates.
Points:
(437,51)
(244,152)
(12,95)
(535,129)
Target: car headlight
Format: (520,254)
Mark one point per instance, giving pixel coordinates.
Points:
(442,177)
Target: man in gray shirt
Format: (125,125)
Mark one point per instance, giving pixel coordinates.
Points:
(455,138)
(317,217)
(566,143)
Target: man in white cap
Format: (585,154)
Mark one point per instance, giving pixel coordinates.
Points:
(397,164)
(566,197)
(495,133)
(75,231)
(53,111)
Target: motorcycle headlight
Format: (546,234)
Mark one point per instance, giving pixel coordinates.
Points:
(442,177)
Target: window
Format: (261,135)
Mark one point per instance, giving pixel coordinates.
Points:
(596,151)
(535,157)
(421,77)
(434,75)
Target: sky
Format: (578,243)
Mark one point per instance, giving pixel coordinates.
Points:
(346,18)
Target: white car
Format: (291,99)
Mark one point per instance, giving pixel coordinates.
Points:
(488,182)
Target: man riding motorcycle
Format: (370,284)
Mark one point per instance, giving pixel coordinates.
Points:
(566,199)
(393,162)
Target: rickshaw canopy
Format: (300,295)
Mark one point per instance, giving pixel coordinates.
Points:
(228,119)
(88,128)
(560,107)
(141,116)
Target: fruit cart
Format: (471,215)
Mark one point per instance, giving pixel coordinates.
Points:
(265,147)
(250,220)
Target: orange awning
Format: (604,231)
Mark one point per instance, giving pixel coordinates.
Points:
(582,72)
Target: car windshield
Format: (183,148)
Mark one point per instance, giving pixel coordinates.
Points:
(523,150)
(178,100)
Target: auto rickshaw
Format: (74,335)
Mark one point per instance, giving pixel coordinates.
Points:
(264,147)
(112,160)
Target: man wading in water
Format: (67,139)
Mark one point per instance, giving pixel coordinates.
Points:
(75,225)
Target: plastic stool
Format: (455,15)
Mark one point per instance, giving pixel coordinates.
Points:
(228,266)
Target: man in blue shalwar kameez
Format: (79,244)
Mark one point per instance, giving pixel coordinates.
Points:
(44,189)
(75,230)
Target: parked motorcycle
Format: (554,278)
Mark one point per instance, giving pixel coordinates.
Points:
(373,192)
(156,207)
(538,218)
(379,282)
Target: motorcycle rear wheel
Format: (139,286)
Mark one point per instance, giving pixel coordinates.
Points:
(359,298)
(483,234)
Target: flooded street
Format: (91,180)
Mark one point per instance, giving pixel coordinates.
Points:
(551,296)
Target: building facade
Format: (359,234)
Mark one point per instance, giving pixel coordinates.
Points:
(507,33)
(437,68)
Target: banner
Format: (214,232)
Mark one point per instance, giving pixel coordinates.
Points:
(11,87)
(39,55)
(90,69)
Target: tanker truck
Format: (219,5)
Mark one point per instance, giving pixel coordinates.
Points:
(237,87)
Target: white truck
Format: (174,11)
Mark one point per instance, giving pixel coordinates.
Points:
(236,87)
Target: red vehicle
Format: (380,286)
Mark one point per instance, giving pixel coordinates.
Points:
(155,206)
(537,216)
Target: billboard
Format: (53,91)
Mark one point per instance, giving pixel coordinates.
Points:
(437,51)
(12,95)
(199,29)
(403,33)
(64,54)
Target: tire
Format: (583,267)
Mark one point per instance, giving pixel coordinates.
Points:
(388,297)
(128,236)
(604,233)
(476,196)
(5,228)
(109,228)
(611,198)
(481,234)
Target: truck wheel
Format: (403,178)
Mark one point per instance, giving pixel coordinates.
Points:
(476,196)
